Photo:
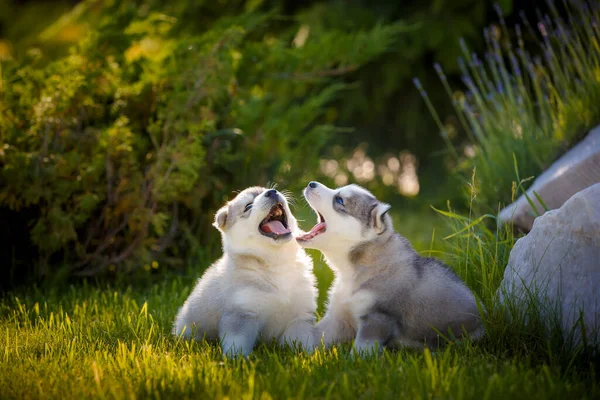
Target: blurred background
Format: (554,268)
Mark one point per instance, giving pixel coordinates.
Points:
(124,125)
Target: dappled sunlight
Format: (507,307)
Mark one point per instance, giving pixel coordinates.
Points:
(361,166)
(408,182)
(470,151)
(301,36)
(517,129)
(399,171)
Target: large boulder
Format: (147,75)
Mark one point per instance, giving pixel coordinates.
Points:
(576,170)
(557,265)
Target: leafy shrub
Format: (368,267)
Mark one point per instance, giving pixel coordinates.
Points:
(121,151)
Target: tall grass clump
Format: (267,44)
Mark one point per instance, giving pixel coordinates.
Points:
(534,93)
(524,324)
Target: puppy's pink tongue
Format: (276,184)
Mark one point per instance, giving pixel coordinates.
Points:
(317,229)
(275,227)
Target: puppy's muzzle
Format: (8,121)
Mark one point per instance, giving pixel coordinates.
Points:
(275,224)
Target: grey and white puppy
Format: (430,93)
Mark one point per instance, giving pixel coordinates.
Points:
(263,285)
(384,293)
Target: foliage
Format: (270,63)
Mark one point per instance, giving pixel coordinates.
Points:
(381,107)
(22,24)
(525,106)
(122,150)
(384,108)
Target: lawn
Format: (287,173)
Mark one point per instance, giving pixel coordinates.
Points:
(113,341)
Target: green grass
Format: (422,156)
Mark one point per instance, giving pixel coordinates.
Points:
(115,343)
(102,341)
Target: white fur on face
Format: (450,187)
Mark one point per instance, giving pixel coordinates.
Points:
(242,234)
(343,229)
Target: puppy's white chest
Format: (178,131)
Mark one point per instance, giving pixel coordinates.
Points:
(294,293)
(353,304)
(361,303)
(290,294)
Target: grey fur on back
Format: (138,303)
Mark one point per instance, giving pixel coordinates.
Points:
(418,293)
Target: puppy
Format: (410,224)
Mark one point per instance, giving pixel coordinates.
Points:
(384,293)
(263,284)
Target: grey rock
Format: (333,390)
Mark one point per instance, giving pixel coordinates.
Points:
(557,265)
(576,170)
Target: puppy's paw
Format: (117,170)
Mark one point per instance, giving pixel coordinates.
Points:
(232,350)
(366,348)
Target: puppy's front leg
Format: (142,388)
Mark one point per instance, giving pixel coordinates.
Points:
(333,330)
(238,331)
(301,330)
(374,330)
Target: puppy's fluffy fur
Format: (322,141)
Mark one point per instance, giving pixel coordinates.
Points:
(384,293)
(263,285)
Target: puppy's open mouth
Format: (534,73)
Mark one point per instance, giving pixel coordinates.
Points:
(275,225)
(319,228)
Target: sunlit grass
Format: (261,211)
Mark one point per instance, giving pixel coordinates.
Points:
(101,341)
(115,343)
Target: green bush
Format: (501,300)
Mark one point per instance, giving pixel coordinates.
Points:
(382,107)
(121,151)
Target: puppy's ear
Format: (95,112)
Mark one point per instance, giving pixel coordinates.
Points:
(220,219)
(378,217)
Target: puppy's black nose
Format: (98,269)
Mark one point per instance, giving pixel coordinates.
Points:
(313,184)
(270,193)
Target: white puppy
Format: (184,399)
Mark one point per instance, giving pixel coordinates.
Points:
(263,285)
(384,293)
